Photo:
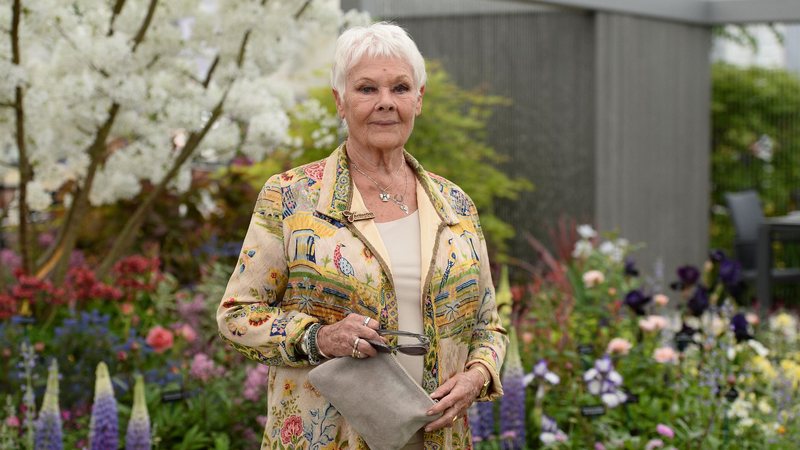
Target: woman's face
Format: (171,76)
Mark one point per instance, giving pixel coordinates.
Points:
(380,103)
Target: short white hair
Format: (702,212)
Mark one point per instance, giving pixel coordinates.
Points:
(381,39)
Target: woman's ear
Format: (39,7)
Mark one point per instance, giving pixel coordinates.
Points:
(419,100)
(339,103)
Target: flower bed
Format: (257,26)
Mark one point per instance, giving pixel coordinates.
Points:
(609,359)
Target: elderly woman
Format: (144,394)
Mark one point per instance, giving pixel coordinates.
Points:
(362,241)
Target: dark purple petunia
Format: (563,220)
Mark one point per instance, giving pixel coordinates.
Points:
(685,337)
(630,267)
(636,300)
(688,275)
(739,326)
(717,256)
(730,272)
(699,301)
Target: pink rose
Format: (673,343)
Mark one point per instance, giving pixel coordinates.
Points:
(752,318)
(126,308)
(618,346)
(665,431)
(653,323)
(599,446)
(661,299)
(160,338)
(12,422)
(292,426)
(187,332)
(654,443)
(592,278)
(665,355)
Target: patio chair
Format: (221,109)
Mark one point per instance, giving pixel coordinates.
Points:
(746,213)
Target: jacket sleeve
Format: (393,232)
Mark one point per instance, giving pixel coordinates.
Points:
(249,316)
(489,338)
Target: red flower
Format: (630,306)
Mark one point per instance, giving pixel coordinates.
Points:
(292,426)
(160,338)
(8,306)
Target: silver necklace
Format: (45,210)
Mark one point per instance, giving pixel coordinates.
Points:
(384,194)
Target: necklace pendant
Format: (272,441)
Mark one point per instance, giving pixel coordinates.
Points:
(384,196)
(404,208)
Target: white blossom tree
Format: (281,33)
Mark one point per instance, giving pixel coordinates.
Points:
(98,97)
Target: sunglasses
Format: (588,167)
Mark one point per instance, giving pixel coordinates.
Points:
(409,349)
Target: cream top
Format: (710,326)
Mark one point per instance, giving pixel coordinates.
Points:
(402,240)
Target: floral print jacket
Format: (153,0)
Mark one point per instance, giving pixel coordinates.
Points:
(304,260)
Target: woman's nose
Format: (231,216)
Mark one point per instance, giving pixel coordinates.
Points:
(385,101)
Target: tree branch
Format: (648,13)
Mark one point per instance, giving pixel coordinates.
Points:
(211,70)
(242,48)
(151,10)
(58,255)
(115,11)
(302,10)
(25,170)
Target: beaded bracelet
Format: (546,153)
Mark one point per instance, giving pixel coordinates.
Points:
(315,356)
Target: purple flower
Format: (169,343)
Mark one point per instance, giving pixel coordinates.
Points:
(730,272)
(103,433)
(255,383)
(138,435)
(699,301)
(540,371)
(604,381)
(550,431)
(717,255)
(636,300)
(688,275)
(481,420)
(739,326)
(630,267)
(49,435)
(512,404)
(9,259)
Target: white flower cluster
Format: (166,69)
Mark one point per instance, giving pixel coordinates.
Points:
(80,62)
(614,250)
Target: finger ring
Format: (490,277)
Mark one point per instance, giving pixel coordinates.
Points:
(354,353)
(359,355)
(355,343)
(366,321)
(455,418)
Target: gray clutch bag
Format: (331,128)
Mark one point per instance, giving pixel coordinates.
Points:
(376,396)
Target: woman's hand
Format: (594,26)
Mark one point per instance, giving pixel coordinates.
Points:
(337,339)
(455,396)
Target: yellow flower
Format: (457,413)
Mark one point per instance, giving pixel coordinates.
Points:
(792,371)
(762,364)
(288,386)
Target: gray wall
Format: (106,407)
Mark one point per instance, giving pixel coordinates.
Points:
(653,135)
(548,131)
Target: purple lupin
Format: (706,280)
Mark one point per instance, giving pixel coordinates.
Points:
(48,435)
(512,405)
(138,434)
(104,428)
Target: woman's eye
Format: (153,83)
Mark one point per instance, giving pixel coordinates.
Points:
(366,89)
(401,88)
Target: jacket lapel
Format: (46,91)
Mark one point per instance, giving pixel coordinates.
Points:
(337,195)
